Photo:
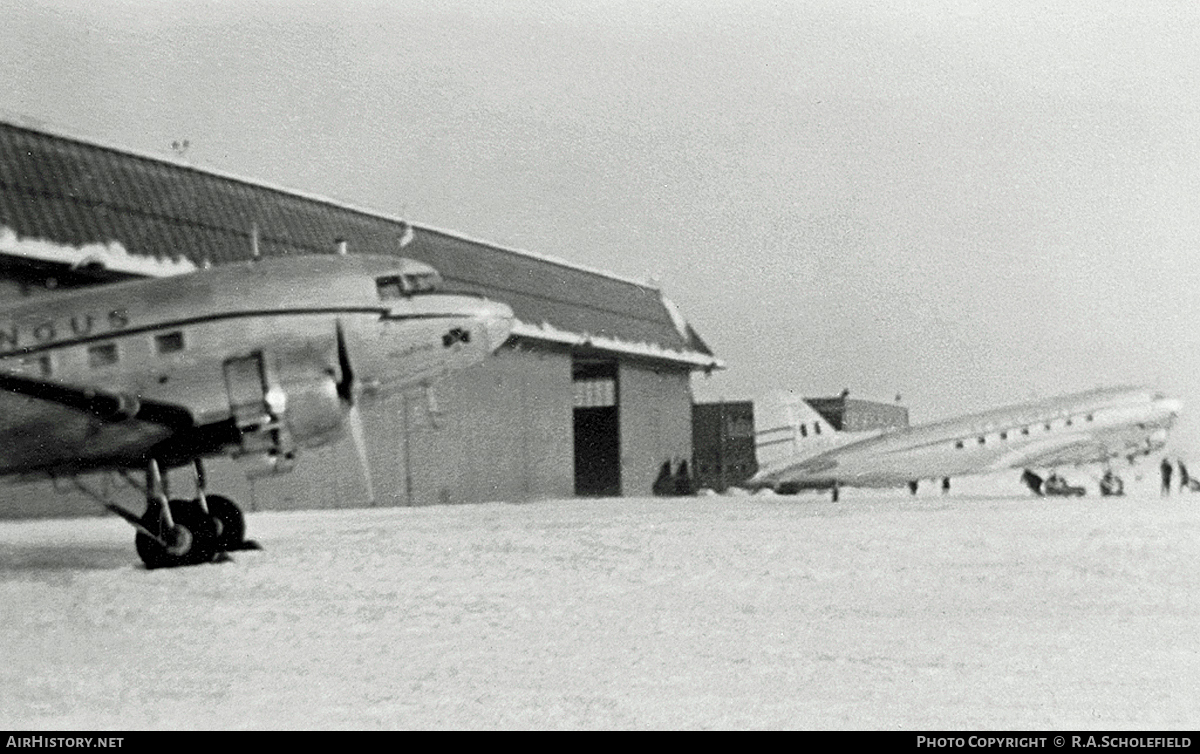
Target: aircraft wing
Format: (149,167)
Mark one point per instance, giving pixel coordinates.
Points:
(1059,451)
(107,405)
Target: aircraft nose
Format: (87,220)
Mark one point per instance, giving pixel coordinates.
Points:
(497,322)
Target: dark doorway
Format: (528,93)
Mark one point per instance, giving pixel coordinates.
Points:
(597,430)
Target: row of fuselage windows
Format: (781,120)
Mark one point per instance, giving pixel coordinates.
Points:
(1025,431)
(101,355)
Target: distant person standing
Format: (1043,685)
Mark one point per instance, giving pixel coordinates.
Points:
(665,483)
(1185,481)
(1166,469)
(683,480)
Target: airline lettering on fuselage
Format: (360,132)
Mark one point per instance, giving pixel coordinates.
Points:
(16,337)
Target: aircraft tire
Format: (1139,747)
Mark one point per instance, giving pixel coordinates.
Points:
(231,524)
(195,538)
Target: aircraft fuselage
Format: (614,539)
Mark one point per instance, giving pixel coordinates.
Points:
(1086,427)
(245,348)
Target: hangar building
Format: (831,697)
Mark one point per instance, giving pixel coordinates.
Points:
(846,414)
(588,397)
(723,444)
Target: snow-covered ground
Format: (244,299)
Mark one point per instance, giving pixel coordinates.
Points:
(878,612)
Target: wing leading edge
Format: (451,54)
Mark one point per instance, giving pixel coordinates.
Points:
(106,405)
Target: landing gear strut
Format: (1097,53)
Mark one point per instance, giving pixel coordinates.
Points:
(181,532)
(173,532)
(1053,486)
(230,523)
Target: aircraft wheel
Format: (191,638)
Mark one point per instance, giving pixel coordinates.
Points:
(192,541)
(230,523)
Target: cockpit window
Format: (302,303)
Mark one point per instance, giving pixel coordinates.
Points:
(423,282)
(390,287)
(399,286)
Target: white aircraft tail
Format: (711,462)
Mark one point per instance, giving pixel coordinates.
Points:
(787,427)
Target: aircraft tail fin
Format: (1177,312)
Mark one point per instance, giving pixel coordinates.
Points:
(790,428)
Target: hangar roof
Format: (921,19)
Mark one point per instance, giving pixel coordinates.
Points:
(68,201)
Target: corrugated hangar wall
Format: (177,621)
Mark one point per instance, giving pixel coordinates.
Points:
(501,433)
(656,423)
(504,430)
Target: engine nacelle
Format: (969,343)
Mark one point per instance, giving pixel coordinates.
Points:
(302,413)
(313,413)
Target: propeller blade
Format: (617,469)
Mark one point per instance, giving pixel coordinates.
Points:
(360,447)
(345,391)
(345,385)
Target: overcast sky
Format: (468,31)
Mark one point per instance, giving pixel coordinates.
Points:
(967,204)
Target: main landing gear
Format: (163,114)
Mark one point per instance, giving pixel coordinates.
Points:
(912,486)
(1033,482)
(182,532)
(1054,485)
(1111,485)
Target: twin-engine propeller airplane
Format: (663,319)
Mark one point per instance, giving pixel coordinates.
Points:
(1096,426)
(248,360)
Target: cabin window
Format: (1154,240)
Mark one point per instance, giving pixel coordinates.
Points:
(169,342)
(40,364)
(1090,417)
(102,355)
(1003,435)
(958,443)
(422,282)
(1024,430)
(1070,421)
(816,428)
(1047,426)
(982,440)
(804,430)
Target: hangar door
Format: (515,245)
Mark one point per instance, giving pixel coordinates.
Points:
(597,432)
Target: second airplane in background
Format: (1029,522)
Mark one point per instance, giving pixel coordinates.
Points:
(1096,426)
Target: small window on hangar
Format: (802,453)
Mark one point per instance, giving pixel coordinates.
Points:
(595,392)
